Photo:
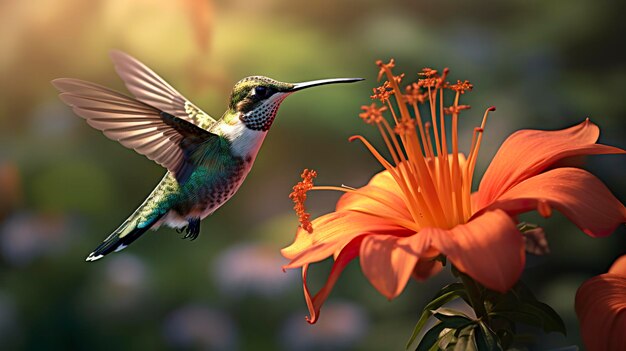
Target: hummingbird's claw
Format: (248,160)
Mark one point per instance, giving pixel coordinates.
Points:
(192,230)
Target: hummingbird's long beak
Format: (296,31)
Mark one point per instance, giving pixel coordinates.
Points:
(314,83)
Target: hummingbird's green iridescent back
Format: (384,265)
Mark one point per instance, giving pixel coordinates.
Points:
(207,160)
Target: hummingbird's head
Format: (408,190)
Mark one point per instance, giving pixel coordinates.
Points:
(256,99)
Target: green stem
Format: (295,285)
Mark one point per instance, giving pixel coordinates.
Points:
(475,297)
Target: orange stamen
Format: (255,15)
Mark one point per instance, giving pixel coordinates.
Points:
(433,119)
(372,113)
(456,172)
(423,171)
(444,168)
(420,125)
(384,66)
(461,87)
(412,205)
(455,110)
(429,142)
(391,149)
(373,151)
(382,92)
(436,190)
(471,159)
(298,196)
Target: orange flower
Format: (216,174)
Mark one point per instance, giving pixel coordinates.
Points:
(421,206)
(601,309)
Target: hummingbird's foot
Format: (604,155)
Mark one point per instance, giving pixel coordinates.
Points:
(192,229)
(181,229)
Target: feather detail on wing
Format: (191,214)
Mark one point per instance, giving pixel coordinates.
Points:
(157,135)
(153,90)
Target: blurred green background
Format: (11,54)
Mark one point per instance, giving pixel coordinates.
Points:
(64,186)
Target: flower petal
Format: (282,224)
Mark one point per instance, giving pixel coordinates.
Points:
(385,180)
(349,252)
(426,268)
(578,194)
(387,265)
(337,229)
(619,267)
(381,186)
(529,152)
(489,248)
(601,310)
(312,254)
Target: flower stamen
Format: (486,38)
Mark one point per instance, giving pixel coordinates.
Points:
(382,92)
(298,196)
(470,165)
(435,189)
(461,87)
(384,67)
(372,114)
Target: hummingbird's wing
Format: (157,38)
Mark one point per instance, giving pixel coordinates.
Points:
(162,137)
(153,90)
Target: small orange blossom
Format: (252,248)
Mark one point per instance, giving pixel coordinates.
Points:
(421,206)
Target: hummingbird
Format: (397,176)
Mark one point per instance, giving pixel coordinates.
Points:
(207,160)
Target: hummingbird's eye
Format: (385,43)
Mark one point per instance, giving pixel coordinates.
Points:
(261,91)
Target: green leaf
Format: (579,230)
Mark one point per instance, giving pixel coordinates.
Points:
(523,292)
(515,316)
(456,321)
(447,340)
(451,312)
(465,340)
(551,321)
(521,305)
(534,313)
(453,322)
(486,339)
(506,337)
(459,287)
(524,227)
(445,295)
(430,338)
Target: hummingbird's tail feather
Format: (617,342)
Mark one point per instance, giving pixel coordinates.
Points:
(123,236)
